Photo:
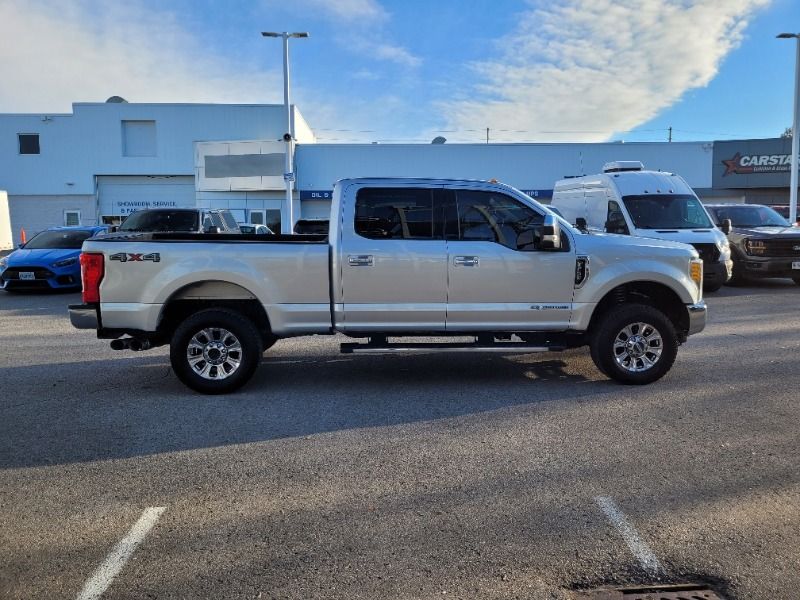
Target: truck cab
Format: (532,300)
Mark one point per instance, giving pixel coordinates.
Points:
(626,199)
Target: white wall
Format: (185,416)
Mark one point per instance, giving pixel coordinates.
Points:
(524,166)
(35,213)
(6,240)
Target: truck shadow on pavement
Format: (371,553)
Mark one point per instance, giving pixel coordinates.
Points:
(66,413)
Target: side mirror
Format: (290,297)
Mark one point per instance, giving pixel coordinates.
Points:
(20,245)
(551,234)
(726,226)
(212,229)
(580,223)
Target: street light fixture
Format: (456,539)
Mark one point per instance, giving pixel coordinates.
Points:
(287,226)
(795,123)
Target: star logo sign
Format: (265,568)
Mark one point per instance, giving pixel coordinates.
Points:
(733,165)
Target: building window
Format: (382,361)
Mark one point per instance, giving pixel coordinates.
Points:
(28,143)
(138,138)
(72,218)
(257,217)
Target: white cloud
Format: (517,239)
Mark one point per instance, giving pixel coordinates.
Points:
(347,10)
(396,54)
(595,67)
(54,54)
(363,25)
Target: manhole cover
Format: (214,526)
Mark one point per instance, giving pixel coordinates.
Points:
(666,592)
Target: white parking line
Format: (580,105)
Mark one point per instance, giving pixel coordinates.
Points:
(105,573)
(640,550)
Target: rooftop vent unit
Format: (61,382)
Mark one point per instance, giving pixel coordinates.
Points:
(620,166)
(116,100)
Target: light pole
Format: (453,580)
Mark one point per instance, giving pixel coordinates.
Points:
(288,137)
(795,123)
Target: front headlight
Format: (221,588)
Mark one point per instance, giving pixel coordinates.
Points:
(696,272)
(66,262)
(755,247)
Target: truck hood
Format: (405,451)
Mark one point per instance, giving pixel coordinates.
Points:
(639,246)
(684,236)
(770,232)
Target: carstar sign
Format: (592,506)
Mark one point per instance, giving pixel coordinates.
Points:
(757,163)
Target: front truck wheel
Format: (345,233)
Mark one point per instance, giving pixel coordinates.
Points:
(215,351)
(634,344)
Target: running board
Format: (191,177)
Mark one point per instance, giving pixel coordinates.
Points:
(501,347)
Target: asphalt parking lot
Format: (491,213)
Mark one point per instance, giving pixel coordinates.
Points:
(447,476)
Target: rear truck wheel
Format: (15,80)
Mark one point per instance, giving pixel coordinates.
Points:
(712,287)
(634,344)
(796,279)
(215,351)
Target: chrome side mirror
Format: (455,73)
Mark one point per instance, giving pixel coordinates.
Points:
(551,234)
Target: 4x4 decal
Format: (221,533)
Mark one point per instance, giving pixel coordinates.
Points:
(132,257)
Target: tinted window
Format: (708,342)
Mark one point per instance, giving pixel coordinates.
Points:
(495,217)
(671,211)
(394,213)
(230,222)
(161,220)
(217,220)
(29,143)
(62,240)
(750,216)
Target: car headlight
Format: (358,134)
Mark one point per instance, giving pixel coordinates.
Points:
(755,247)
(66,262)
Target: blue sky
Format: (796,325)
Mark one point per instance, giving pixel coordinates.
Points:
(390,71)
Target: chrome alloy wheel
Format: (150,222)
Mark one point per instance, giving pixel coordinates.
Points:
(214,353)
(638,347)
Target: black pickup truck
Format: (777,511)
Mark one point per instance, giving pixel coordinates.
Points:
(763,243)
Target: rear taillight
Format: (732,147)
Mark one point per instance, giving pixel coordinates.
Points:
(92,271)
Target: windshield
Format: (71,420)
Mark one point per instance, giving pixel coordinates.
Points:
(750,216)
(59,240)
(161,220)
(673,211)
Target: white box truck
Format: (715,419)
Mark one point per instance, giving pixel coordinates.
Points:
(625,199)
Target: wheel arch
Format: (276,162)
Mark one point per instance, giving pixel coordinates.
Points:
(198,296)
(650,293)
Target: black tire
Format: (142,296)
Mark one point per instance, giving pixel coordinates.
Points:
(712,287)
(737,278)
(217,369)
(796,279)
(623,366)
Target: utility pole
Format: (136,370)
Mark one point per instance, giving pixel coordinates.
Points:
(796,122)
(669,139)
(487,135)
(287,226)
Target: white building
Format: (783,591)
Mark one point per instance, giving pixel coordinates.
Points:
(107,159)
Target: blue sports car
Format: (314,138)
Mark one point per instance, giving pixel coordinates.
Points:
(50,260)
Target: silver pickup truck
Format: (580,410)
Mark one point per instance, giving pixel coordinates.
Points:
(454,260)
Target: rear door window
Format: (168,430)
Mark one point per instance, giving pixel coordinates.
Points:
(395,213)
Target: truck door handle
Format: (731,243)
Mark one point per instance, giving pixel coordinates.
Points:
(466,261)
(362,260)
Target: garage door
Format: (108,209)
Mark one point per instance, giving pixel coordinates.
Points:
(120,196)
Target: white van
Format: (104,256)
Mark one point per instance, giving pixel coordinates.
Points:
(625,199)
